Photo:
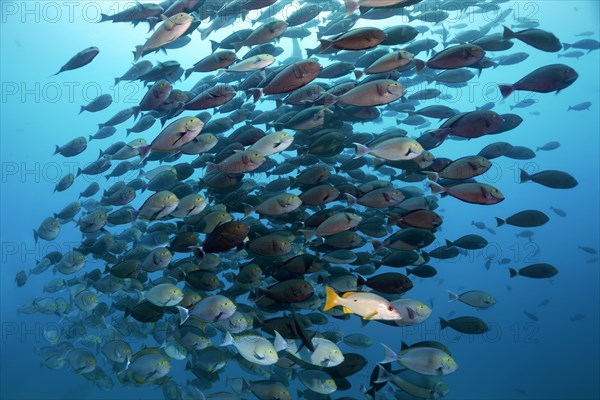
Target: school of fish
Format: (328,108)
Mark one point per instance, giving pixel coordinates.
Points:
(237,244)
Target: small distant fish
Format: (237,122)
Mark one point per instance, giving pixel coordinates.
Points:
(581,106)
(80,59)
(587,249)
(577,317)
(531,316)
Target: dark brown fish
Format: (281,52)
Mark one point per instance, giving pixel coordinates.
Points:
(290,291)
(225,237)
(550,178)
(459,56)
(467,325)
(551,78)
(538,38)
(538,271)
(80,59)
(355,39)
(390,283)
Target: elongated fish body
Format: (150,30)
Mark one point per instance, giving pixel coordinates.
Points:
(171,29)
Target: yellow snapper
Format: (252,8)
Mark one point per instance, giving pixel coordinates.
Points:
(367,305)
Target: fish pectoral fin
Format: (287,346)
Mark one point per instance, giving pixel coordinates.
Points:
(346,310)
(258,356)
(218,316)
(297,72)
(156,214)
(370,316)
(325,362)
(411,313)
(485,193)
(167,23)
(179,136)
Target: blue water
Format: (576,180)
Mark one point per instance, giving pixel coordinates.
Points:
(553,358)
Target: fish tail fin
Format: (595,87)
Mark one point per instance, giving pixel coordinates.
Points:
(419,65)
(204,33)
(256,94)
(188,72)
(452,296)
(377,245)
(144,151)
(499,222)
(280,343)
(360,280)
(383,375)
(358,73)
(79,172)
(513,272)
(449,243)
(237,46)
(506,90)
(566,46)
(184,314)
(104,18)
(137,54)
(136,112)
(228,341)
(35,235)
(524,176)
(325,44)
(308,234)
(82,109)
(117,80)
(351,200)
(211,166)
(389,355)
(152,23)
(436,188)
(214,45)
(441,133)
(432,176)
(568,109)
(198,252)
(507,33)
(360,150)
(443,323)
(57,150)
(248,209)
(351,6)
(331,298)
(409,272)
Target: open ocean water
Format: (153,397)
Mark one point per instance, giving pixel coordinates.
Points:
(542,337)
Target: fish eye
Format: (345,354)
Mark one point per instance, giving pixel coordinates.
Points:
(390,308)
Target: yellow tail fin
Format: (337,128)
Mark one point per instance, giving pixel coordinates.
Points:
(331,298)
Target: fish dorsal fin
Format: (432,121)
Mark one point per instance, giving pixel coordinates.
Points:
(348,294)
